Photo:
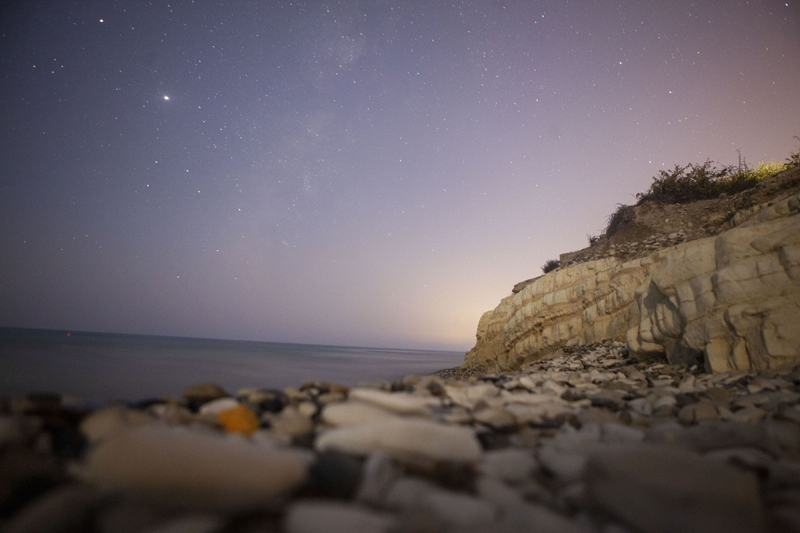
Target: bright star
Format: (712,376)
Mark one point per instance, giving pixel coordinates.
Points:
(166,97)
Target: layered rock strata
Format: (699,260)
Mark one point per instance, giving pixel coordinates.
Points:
(732,301)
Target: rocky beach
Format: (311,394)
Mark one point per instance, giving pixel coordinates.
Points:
(649,384)
(586,440)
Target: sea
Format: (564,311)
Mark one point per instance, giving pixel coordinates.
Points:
(103,367)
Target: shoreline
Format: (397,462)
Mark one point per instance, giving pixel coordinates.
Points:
(563,444)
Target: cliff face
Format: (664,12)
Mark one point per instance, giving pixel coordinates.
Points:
(731,300)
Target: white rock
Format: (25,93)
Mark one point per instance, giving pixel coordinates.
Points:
(335,517)
(566,454)
(457,509)
(497,418)
(290,421)
(538,413)
(354,413)
(215,407)
(510,464)
(407,492)
(404,439)
(398,402)
(201,469)
(496,493)
(107,422)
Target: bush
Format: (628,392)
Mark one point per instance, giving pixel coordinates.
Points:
(794,157)
(702,181)
(684,184)
(593,239)
(551,264)
(618,218)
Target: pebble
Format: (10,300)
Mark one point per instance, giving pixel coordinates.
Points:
(399,403)
(510,464)
(203,393)
(293,423)
(658,490)
(198,469)
(353,414)
(216,407)
(334,517)
(240,419)
(587,440)
(405,439)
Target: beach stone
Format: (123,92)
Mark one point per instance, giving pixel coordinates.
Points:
(331,397)
(63,510)
(335,475)
(496,418)
(697,412)
(25,475)
(108,422)
(307,409)
(379,473)
(405,439)
(240,419)
(174,465)
(749,414)
(566,454)
(197,395)
(511,465)
(407,492)
(535,517)
(193,523)
(751,458)
(129,515)
(292,422)
(540,413)
(334,517)
(398,402)
(172,413)
(659,490)
(457,509)
(214,408)
(349,414)
(619,434)
(11,433)
(496,493)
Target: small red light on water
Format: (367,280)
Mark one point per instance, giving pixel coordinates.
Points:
(68,334)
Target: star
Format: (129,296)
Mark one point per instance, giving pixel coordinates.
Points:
(166,97)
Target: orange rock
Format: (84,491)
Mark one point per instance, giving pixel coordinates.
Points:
(239,420)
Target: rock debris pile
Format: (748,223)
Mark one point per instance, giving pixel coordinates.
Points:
(589,440)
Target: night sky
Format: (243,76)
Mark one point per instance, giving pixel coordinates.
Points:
(369,173)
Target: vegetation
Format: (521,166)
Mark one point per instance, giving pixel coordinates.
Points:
(551,264)
(701,181)
(697,181)
(794,157)
(622,214)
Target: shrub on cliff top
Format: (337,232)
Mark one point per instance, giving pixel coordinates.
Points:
(551,264)
(702,181)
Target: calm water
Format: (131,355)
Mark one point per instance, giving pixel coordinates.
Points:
(104,366)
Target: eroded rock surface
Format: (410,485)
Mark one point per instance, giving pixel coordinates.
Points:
(730,301)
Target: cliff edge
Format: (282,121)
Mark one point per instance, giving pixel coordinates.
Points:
(713,282)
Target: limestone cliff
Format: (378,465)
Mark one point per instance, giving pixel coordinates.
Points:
(731,300)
